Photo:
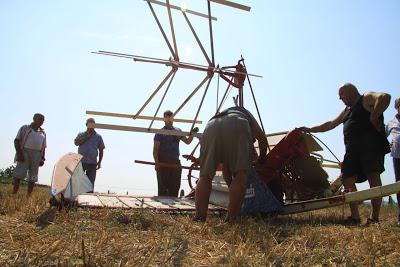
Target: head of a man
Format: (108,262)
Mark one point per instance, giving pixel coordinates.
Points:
(168,119)
(89,122)
(348,93)
(397,105)
(38,120)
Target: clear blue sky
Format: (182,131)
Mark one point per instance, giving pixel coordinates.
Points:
(304,50)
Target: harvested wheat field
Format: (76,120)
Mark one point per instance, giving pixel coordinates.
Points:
(32,234)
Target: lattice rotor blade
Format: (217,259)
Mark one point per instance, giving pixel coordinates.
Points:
(188,11)
(231,4)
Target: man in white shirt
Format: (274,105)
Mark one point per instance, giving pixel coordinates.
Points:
(30,145)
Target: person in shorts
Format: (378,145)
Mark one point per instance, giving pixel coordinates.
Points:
(228,139)
(30,145)
(365,142)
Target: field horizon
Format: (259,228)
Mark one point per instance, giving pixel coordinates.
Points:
(35,234)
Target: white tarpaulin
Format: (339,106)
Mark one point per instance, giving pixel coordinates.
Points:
(69,178)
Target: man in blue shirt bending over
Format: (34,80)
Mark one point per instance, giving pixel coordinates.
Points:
(166,150)
(89,142)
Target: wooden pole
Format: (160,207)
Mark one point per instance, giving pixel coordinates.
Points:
(142,130)
(130,116)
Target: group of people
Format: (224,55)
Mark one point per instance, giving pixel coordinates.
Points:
(30,146)
(229,136)
(228,139)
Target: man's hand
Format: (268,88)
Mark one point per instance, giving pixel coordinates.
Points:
(20,156)
(41,163)
(378,124)
(98,165)
(89,133)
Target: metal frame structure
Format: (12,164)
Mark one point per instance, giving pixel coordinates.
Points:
(234,75)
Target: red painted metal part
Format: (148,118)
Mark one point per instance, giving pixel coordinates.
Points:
(239,76)
(289,148)
(167,165)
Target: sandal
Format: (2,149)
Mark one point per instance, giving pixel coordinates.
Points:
(371,221)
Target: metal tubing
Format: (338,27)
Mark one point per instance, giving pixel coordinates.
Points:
(155,92)
(162,99)
(191,95)
(166,165)
(201,102)
(171,23)
(197,39)
(223,98)
(181,9)
(232,4)
(162,30)
(211,32)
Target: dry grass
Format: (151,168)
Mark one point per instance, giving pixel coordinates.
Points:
(32,234)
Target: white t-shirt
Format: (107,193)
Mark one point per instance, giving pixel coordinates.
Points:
(35,140)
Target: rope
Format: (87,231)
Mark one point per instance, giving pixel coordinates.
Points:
(325,146)
(217,93)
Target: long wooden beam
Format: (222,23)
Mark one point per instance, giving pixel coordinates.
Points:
(141,130)
(120,115)
(181,9)
(231,4)
(375,192)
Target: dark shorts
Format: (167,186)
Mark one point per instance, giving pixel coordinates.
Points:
(361,165)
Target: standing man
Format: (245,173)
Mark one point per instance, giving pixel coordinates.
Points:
(365,142)
(393,128)
(90,145)
(30,145)
(228,139)
(166,150)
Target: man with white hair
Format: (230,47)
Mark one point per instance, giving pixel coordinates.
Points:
(89,143)
(30,145)
(365,143)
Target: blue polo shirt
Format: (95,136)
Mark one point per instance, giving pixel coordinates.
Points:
(169,146)
(89,149)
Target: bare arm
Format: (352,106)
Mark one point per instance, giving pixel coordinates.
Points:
(101,152)
(261,138)
(20,155)
(17,146)
(155,152)
(187,140)
(376,104)
(79,141)
(326,126)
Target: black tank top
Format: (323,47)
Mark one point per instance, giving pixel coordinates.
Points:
(359,133)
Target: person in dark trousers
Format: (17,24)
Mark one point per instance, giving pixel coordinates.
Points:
(365,143)
(90,145)
(166,150)
(228,139)
(30,145)
(393,129)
